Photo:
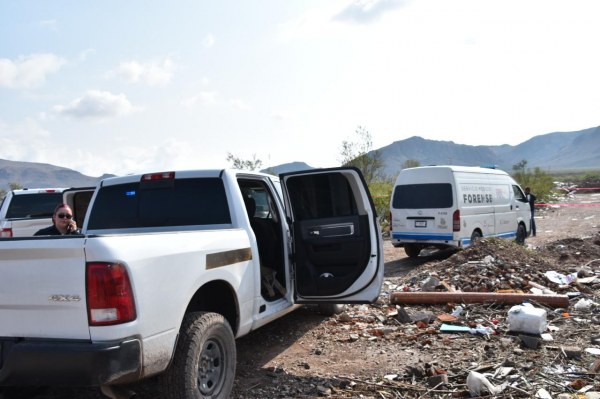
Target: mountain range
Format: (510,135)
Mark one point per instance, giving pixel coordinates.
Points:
(552,152)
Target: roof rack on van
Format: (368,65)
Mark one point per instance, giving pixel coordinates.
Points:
(489,166)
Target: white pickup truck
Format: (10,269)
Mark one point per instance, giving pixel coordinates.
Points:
(171,267)
(25,211)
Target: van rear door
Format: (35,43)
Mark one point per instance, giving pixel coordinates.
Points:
(337,246)
(422,207)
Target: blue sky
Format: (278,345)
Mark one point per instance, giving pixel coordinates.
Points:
(134,86)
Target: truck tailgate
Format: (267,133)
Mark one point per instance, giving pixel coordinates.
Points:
(42,288)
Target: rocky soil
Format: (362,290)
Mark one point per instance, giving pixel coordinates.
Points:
(397,350)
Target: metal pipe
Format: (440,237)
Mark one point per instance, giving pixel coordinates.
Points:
(426,298)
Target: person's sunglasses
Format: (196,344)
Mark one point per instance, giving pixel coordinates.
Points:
(64,215)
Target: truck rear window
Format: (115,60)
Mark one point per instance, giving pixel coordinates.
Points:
(178,202)
(33,205)
(423,196)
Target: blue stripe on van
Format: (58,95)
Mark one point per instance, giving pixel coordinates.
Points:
(422,236)
(467,241)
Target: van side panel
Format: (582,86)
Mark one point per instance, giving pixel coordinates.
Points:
(476,204)
(506,222)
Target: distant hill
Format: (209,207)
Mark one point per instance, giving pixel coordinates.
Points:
(552,152)
(41,175)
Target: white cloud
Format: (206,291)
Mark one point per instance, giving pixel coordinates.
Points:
(208,41)
(212,98)
(83,56)
(24,141)
(317,22)
(367,11)
(239,104)
(150,73)
(97,104)
(28,71)
(281,115)
(127,158)
(31,142)
(205,98)
(51,24)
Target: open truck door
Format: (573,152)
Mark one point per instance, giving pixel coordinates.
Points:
(78,199)
(337,246)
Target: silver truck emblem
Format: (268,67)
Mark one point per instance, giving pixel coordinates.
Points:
(64,298)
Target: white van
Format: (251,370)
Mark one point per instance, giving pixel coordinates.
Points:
(451,206)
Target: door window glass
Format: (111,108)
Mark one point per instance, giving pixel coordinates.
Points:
(321,196)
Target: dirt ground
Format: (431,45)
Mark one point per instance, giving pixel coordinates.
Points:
(390,350)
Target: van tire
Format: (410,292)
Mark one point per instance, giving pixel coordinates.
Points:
(412,250)
(476,235)
(204,362)
(521,234)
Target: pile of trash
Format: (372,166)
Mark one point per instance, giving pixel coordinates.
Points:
(500,319)
(495,320)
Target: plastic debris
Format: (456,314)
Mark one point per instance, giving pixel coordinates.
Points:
(478,384)
(527,319)
(561,279)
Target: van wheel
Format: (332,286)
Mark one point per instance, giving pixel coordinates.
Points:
(521,234)
(475,236)
(412,250)
(204,363)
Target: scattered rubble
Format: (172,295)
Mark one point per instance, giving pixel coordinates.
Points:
(461,348)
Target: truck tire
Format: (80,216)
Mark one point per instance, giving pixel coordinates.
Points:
(412,250)
(204,363)
(330,309)
(521,234)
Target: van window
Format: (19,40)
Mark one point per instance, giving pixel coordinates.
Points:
(423,196)
(179,202)
(33,205)
(519,195)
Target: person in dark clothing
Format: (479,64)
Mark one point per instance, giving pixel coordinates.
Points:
(62,223)
(531,199)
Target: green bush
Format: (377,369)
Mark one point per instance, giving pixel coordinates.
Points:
(540,182)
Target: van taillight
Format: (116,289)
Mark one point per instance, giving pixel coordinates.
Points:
(456,220)
(109,294)
(6,233)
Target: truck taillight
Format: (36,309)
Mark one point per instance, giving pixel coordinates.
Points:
(6,233)
(158,176)
(456,220)
(109,294)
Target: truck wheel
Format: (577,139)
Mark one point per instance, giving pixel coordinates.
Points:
(521,234)
(412,250)
(330,309)
(204,363)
